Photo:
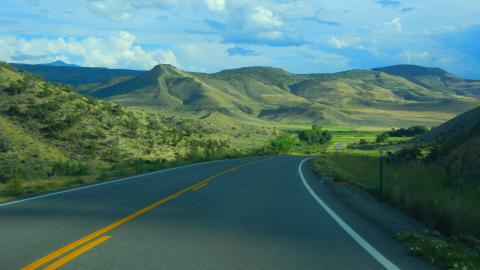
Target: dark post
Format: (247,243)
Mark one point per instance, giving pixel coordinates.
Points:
(380,188)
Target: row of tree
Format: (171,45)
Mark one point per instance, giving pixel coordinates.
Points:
(402,132)
(314,136)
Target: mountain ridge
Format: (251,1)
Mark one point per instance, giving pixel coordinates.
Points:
(388,96)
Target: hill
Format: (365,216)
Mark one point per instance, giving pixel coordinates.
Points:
(456,145)
(59,63)
(50,129)
(356,97)
(393,96)
(73,75)
(435,79)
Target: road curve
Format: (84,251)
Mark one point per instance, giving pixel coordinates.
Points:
(250,213)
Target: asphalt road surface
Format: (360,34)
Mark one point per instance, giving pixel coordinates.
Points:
(250,213)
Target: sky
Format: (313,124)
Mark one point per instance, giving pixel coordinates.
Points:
(300,36)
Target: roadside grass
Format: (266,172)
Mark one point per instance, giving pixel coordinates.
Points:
(18,186)
(425,192)
(447,252)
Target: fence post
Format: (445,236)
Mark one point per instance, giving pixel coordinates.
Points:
(380,188)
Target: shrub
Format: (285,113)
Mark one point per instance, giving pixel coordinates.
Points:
(70,168)
(408,132)
(283,143)
(5,144)
(132,122)
(362,142)
(315,135)
(382,138)
(14,187)
(13,110)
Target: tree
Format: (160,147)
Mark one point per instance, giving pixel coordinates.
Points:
(382,137)
(315,135)
(363,142)
(283,143)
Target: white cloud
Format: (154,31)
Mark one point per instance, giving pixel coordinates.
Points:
(396,23)
(118,10)
(337,43)
(118,51)
(263,17)
(215,5)
(412,57)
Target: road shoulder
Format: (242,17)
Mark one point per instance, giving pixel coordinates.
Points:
(375,221)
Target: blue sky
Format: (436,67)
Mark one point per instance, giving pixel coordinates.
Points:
(304,36)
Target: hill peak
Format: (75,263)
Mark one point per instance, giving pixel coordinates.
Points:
(164,67)
(59,63)
(407,70)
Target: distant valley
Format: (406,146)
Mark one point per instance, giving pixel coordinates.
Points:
(394,96)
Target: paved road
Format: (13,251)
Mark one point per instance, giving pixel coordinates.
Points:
(252,213)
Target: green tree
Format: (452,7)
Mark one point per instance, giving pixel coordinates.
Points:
(382,138)
(283,143)
(363,142)
(315,135)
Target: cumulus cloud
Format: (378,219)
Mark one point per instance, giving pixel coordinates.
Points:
(215,5)
(263,17)
(250,23)
(117,51)
(395,23)
(337,43)
(118,10)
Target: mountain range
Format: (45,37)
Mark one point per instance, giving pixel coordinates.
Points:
(383,97)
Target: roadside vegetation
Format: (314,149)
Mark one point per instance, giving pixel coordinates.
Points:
(52,137)
(426,191)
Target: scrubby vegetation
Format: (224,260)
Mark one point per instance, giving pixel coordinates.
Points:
(282,144)
(357,97)
(408,132)
(447,252)
(424,191)
(51,134)
(315,135)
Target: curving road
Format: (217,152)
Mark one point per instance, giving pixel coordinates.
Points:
(250,213)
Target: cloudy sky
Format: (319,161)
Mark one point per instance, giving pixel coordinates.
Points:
(301,36)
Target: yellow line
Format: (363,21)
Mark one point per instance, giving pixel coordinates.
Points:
(114,225)
(76,253)
(200,186)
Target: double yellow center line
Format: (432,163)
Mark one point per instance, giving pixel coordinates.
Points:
(99,235)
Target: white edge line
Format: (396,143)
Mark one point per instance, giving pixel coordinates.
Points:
(362,242)
(109,182)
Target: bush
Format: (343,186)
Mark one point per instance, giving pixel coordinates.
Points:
(382,138)
(5,144)
(132,122)
(315,135)
(70,168)
(283,144)
(408,132)
(362,142)
(14,187)
(13,110)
